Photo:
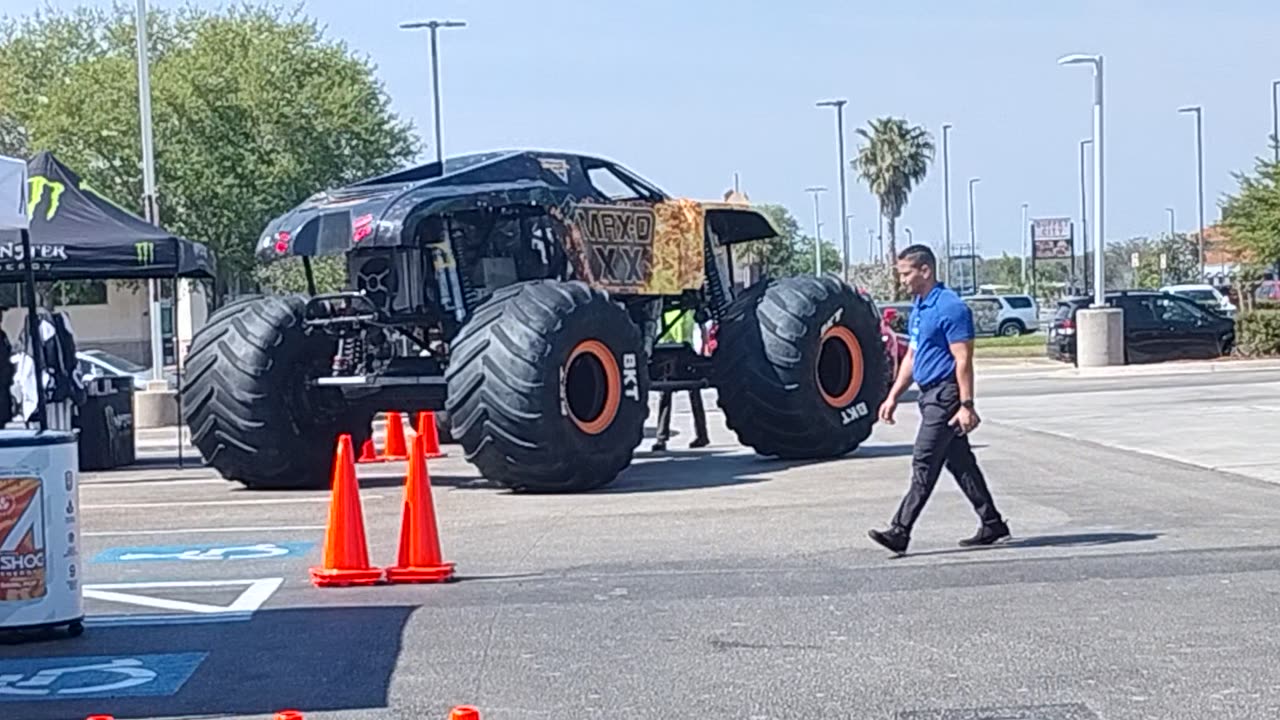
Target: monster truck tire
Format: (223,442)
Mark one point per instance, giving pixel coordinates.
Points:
(548,388)
(801,368)
(246,401)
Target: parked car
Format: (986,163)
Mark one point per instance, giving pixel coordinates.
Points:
(1157,327)
(1208,296)
(1005,315)
(100,363)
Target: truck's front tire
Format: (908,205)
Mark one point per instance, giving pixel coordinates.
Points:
(548,388)
(800,368)
(246,400)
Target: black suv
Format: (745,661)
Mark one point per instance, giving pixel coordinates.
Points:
(1157,327)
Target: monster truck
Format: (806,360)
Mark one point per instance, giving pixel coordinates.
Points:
(523,294)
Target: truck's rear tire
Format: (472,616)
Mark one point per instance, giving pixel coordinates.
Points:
(800,369)
(246,401)
(548,388)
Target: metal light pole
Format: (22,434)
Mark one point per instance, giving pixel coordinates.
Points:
(973,235)
(1084,223)
(946,200)
(871,246)
(1099,214)
(150,207)
(434,26)
(1024,236)
(1275,118)
(1198,112)
(844,206)
(1171,231)
(817,228)
(911,237)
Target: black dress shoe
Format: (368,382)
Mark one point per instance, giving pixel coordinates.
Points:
(893,539)
(700,443)
(987,535)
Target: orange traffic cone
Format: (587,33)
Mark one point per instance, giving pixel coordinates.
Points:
(368,454)
(464,712)
(394,449)
(419,560)
(289,715)
(346,553)
(427,430)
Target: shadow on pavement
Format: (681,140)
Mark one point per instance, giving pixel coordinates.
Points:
(679,469)
(1035,541)
(276,660)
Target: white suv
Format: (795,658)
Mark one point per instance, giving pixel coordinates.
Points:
(1008,315)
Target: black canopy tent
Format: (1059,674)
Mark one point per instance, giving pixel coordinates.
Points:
(78,234)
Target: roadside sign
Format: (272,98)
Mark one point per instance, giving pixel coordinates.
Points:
(96,676)
(1052,238)
(1164,261)
(1135,261)
(203,553)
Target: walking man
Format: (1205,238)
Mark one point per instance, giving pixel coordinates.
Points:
(940,361)
(682,332)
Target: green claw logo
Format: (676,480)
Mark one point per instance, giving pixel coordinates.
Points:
(145,252)
(38,184)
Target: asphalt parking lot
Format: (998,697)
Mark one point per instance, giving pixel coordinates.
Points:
(1141,582)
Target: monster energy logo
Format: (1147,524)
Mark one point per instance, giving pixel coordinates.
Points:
(38,184)
(144,252)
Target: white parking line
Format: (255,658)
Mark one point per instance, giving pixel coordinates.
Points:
(126,484)
(203,531)
(209,503)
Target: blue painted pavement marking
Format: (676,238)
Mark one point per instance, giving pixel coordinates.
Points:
(96,676)
(203,553)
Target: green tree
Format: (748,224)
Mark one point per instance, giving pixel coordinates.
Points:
(253,111)
(791,252)
(894,159)
(13,139)
(1251,221)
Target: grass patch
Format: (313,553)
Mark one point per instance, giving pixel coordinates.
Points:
(1031,345)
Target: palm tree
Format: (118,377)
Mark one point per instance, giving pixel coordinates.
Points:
(893,161)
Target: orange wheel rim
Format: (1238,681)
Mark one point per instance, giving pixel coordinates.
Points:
(591,387)
(839,366)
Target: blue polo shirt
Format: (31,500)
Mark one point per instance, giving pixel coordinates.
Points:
(937,320)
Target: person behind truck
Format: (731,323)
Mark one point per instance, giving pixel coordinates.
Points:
(681,326)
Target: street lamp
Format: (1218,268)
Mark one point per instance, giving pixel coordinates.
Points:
(1099,211)
(844,208)
(817,228)
(911,237)
(1170,211)
(1275,118)
(1023,235)
(973,235)
(946,199)
(1196,110)
(1084,224)
(1100,329)
(150,207)
(434,26)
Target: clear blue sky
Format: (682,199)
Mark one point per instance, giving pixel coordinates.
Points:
(687,93)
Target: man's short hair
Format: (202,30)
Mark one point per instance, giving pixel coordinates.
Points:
(919,256)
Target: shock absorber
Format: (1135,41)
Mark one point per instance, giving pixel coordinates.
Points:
(349,355)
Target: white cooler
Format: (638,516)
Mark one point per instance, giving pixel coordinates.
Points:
(39,531)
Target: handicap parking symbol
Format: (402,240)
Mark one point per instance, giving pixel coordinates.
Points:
(69,677)
(204,553)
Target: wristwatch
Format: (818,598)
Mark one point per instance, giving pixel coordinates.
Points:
(967,404)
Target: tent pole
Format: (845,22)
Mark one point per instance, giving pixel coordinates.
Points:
(311,276)
(33,330)
(177,346)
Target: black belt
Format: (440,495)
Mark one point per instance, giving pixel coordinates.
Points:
(938,383)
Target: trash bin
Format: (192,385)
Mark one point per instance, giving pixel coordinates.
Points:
(39,531)
(105,422)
